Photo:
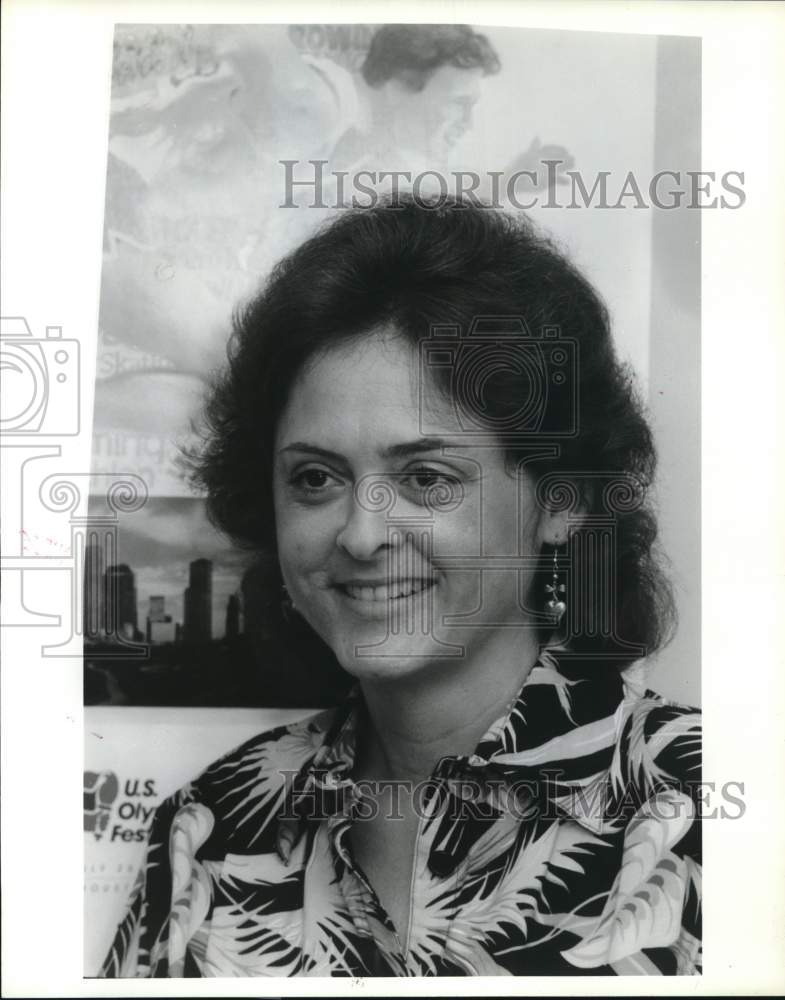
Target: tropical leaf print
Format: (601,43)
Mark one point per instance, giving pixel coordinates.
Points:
(258,779)
(499,890)
(645,905)
(316,938)
(191,887)
(597,871)
(637,763)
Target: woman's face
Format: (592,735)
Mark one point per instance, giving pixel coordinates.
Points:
(391,549)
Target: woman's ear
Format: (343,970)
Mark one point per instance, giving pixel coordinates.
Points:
(556,524)
(554,527)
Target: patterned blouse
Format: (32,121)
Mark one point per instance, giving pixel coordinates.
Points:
(567,843)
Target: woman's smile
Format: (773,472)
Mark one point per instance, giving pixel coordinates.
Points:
(381,592)
(384,601)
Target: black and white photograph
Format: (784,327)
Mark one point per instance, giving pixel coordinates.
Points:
(368,528)
(433,441)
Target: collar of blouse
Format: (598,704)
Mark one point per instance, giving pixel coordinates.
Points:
(551,755)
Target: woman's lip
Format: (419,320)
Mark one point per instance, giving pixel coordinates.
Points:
(382,593)
(365,605)
(383,581)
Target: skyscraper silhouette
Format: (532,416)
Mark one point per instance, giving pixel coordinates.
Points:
(198,625)
(157,610)
(120,600)
(93,613)
(233,617)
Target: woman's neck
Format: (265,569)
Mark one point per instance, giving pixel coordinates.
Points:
(413,722)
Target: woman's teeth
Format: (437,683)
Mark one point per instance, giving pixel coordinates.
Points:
(386,593)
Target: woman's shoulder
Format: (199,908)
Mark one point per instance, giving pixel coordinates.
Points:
(244,789)
(293,742)
(659,739)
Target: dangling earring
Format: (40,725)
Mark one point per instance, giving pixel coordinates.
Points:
(556,606)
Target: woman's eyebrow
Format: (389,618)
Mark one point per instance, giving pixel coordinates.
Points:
(403,450)
(414,447)
(312,449)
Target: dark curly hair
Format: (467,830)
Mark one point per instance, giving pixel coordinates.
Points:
(412,53)
(417,265)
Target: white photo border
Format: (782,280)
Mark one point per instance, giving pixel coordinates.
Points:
(56,72)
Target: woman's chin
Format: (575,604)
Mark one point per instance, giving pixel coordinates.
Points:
(395,658)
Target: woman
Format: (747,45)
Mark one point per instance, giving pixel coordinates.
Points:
(424,418)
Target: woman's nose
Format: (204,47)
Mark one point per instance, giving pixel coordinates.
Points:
(364,533)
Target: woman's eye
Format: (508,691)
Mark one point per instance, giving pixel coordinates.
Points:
(433,487)
(430,477)
(313,481)
(426,478)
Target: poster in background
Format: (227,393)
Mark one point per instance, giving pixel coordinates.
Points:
(228,145)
